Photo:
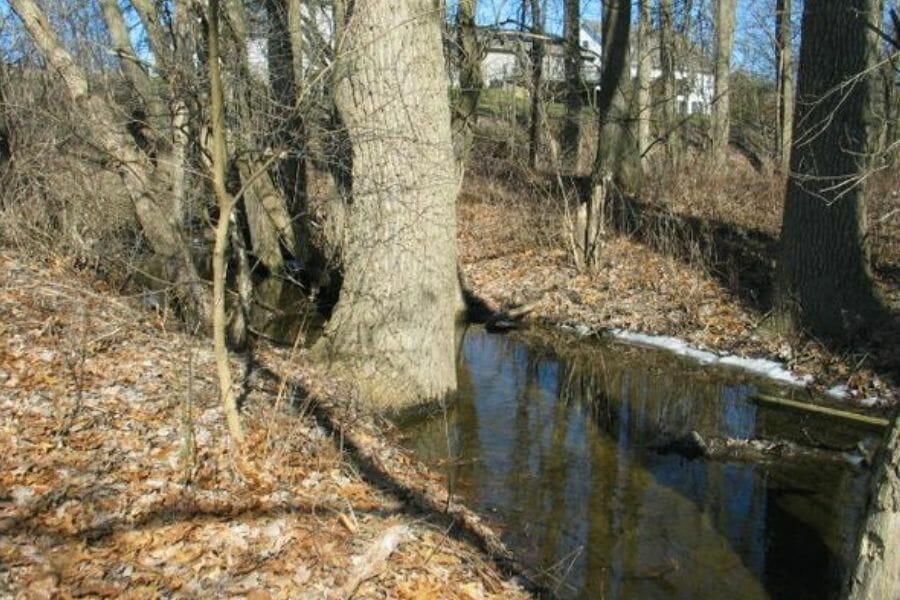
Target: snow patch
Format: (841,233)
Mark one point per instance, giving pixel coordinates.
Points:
(838,392)
(757,366)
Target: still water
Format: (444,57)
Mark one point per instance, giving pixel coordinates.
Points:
(562,455)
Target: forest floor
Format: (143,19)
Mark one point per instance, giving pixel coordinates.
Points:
(671,274)
(116,478)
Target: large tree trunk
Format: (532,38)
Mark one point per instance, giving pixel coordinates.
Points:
(721,118)
(465,110)
(615,145)
(644,72)
(785,73)
(571,133)
(392,328)
(615,142)
(824,281)
(536,123)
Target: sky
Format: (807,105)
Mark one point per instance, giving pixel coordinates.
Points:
(754,23)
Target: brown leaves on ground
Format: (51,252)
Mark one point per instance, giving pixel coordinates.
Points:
(634,288)
(116,479)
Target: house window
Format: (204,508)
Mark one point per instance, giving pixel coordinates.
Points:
(696,107)
(682,107)
(584,44)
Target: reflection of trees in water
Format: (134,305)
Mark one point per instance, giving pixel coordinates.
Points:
(563,454)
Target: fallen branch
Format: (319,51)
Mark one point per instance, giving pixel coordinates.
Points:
(824,410)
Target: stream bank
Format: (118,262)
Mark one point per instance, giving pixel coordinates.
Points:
(512,254)
(116,478)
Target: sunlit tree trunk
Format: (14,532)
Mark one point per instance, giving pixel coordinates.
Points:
(785,74)
(721,119)
(226,207)
(392,330)
(644,71)
(615,144)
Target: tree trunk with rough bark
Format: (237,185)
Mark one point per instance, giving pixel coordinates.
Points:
(824,281)
(465,109)
(644,72)
(721,117)
(571,133)
(616,150)
(785,81)
(876,573)
(392,330)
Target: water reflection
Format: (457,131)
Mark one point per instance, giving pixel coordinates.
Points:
(559,452)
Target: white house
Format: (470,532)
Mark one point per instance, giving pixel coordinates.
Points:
(694,76)
(507,59)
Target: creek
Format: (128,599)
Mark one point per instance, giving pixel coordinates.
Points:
(561,446)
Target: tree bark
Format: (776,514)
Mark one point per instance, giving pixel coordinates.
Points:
(392,328)
(669,101)
(876,573)
(536,125)
(824,280)
(721,118)
(644,72)
(615,144)
(465,110)
(785,81)
(571,133)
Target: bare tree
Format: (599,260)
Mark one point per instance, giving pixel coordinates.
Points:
(571,134)
(148,177)
(615,143)
(785,80)
(226,204)
(721,119)
(536,123)
(643,107)
(669,100)
(392,328)
(465,109)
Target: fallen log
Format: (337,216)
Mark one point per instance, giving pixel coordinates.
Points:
(509,319)
(694,446)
